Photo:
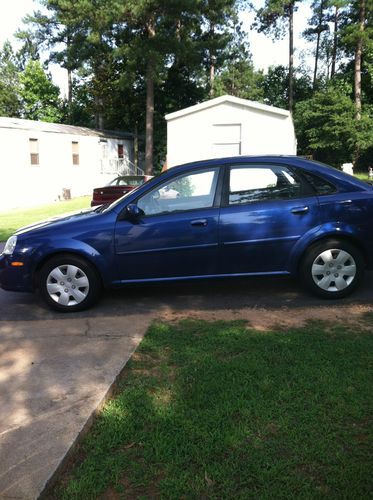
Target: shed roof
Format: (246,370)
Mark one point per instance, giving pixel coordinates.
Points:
(39,126)
(230,99)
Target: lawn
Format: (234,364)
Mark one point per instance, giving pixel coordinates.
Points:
(362,176)
(14,219)
(219,410)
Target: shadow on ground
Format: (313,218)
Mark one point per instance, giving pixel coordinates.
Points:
(212,295)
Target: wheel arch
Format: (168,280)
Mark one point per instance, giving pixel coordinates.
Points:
(71,252)
(343,237)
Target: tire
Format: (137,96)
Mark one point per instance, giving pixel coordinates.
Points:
(69,283)
(332,269)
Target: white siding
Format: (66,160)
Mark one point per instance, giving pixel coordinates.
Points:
(228,129)
(23,184)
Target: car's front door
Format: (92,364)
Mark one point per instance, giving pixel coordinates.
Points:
(177,233)
(266,209)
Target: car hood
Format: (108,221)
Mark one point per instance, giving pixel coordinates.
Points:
(54,221)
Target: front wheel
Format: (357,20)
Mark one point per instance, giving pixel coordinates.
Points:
(332,269)
(69,283)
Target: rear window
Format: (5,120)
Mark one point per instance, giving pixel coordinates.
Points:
(127,181)
(320,185)
(131,181)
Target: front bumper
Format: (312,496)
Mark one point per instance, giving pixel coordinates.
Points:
(16,279)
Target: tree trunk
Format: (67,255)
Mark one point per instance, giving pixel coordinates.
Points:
(212,61)
(149,132)
(358,54)
(357,70)
(319,31)
(291,58)
(136,146)
(98,81)
(69,94)
(335,42)
(149,119)
(212,75)
(316,60)
(69,87)
(69,80)
(99,117)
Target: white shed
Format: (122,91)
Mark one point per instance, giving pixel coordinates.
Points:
(42,162)
(228,126)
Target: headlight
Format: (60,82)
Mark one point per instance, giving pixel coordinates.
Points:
(10,245)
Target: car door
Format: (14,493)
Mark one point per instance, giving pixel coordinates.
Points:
(176,234)
(266,209)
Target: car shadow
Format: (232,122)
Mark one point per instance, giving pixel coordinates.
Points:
(203,295)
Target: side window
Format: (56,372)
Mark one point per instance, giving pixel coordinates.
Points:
(75,152)
(258,183)
(185,192)
(34,151)
(320,186)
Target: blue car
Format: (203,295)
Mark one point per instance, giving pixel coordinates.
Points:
(239,216)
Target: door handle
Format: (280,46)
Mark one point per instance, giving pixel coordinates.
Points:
(199,222)
(299,210)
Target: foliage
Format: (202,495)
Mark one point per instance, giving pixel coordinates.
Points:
(273,17)
(349,32)
(276,86)
(239,78)
(317,27)
(40,97)
(29,49)
(327,128)
(9,83)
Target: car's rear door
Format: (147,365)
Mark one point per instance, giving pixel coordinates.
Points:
(266,209)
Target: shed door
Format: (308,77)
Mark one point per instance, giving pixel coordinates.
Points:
(226,140)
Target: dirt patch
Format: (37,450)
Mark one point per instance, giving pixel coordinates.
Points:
(265,319)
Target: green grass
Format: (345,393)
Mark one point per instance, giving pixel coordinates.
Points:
(362,176)
(15,219)
(218,410)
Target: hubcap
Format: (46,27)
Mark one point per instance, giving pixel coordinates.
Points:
(67,285)
(333,270)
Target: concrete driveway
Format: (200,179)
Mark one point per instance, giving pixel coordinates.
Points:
(54,373)
(56,369)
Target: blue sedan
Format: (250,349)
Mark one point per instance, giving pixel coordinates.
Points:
(226,217)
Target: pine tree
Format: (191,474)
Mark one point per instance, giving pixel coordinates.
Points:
(271,19)
(317,26)
(10,104)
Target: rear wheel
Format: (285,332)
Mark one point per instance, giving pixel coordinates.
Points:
(69,283)
(332,269)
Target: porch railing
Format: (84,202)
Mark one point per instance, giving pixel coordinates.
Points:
(120,166)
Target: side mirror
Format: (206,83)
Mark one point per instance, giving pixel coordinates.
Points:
(133,211)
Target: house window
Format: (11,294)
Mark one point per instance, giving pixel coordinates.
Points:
(75,152)
(120,151)
(34,151)
(103,145)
